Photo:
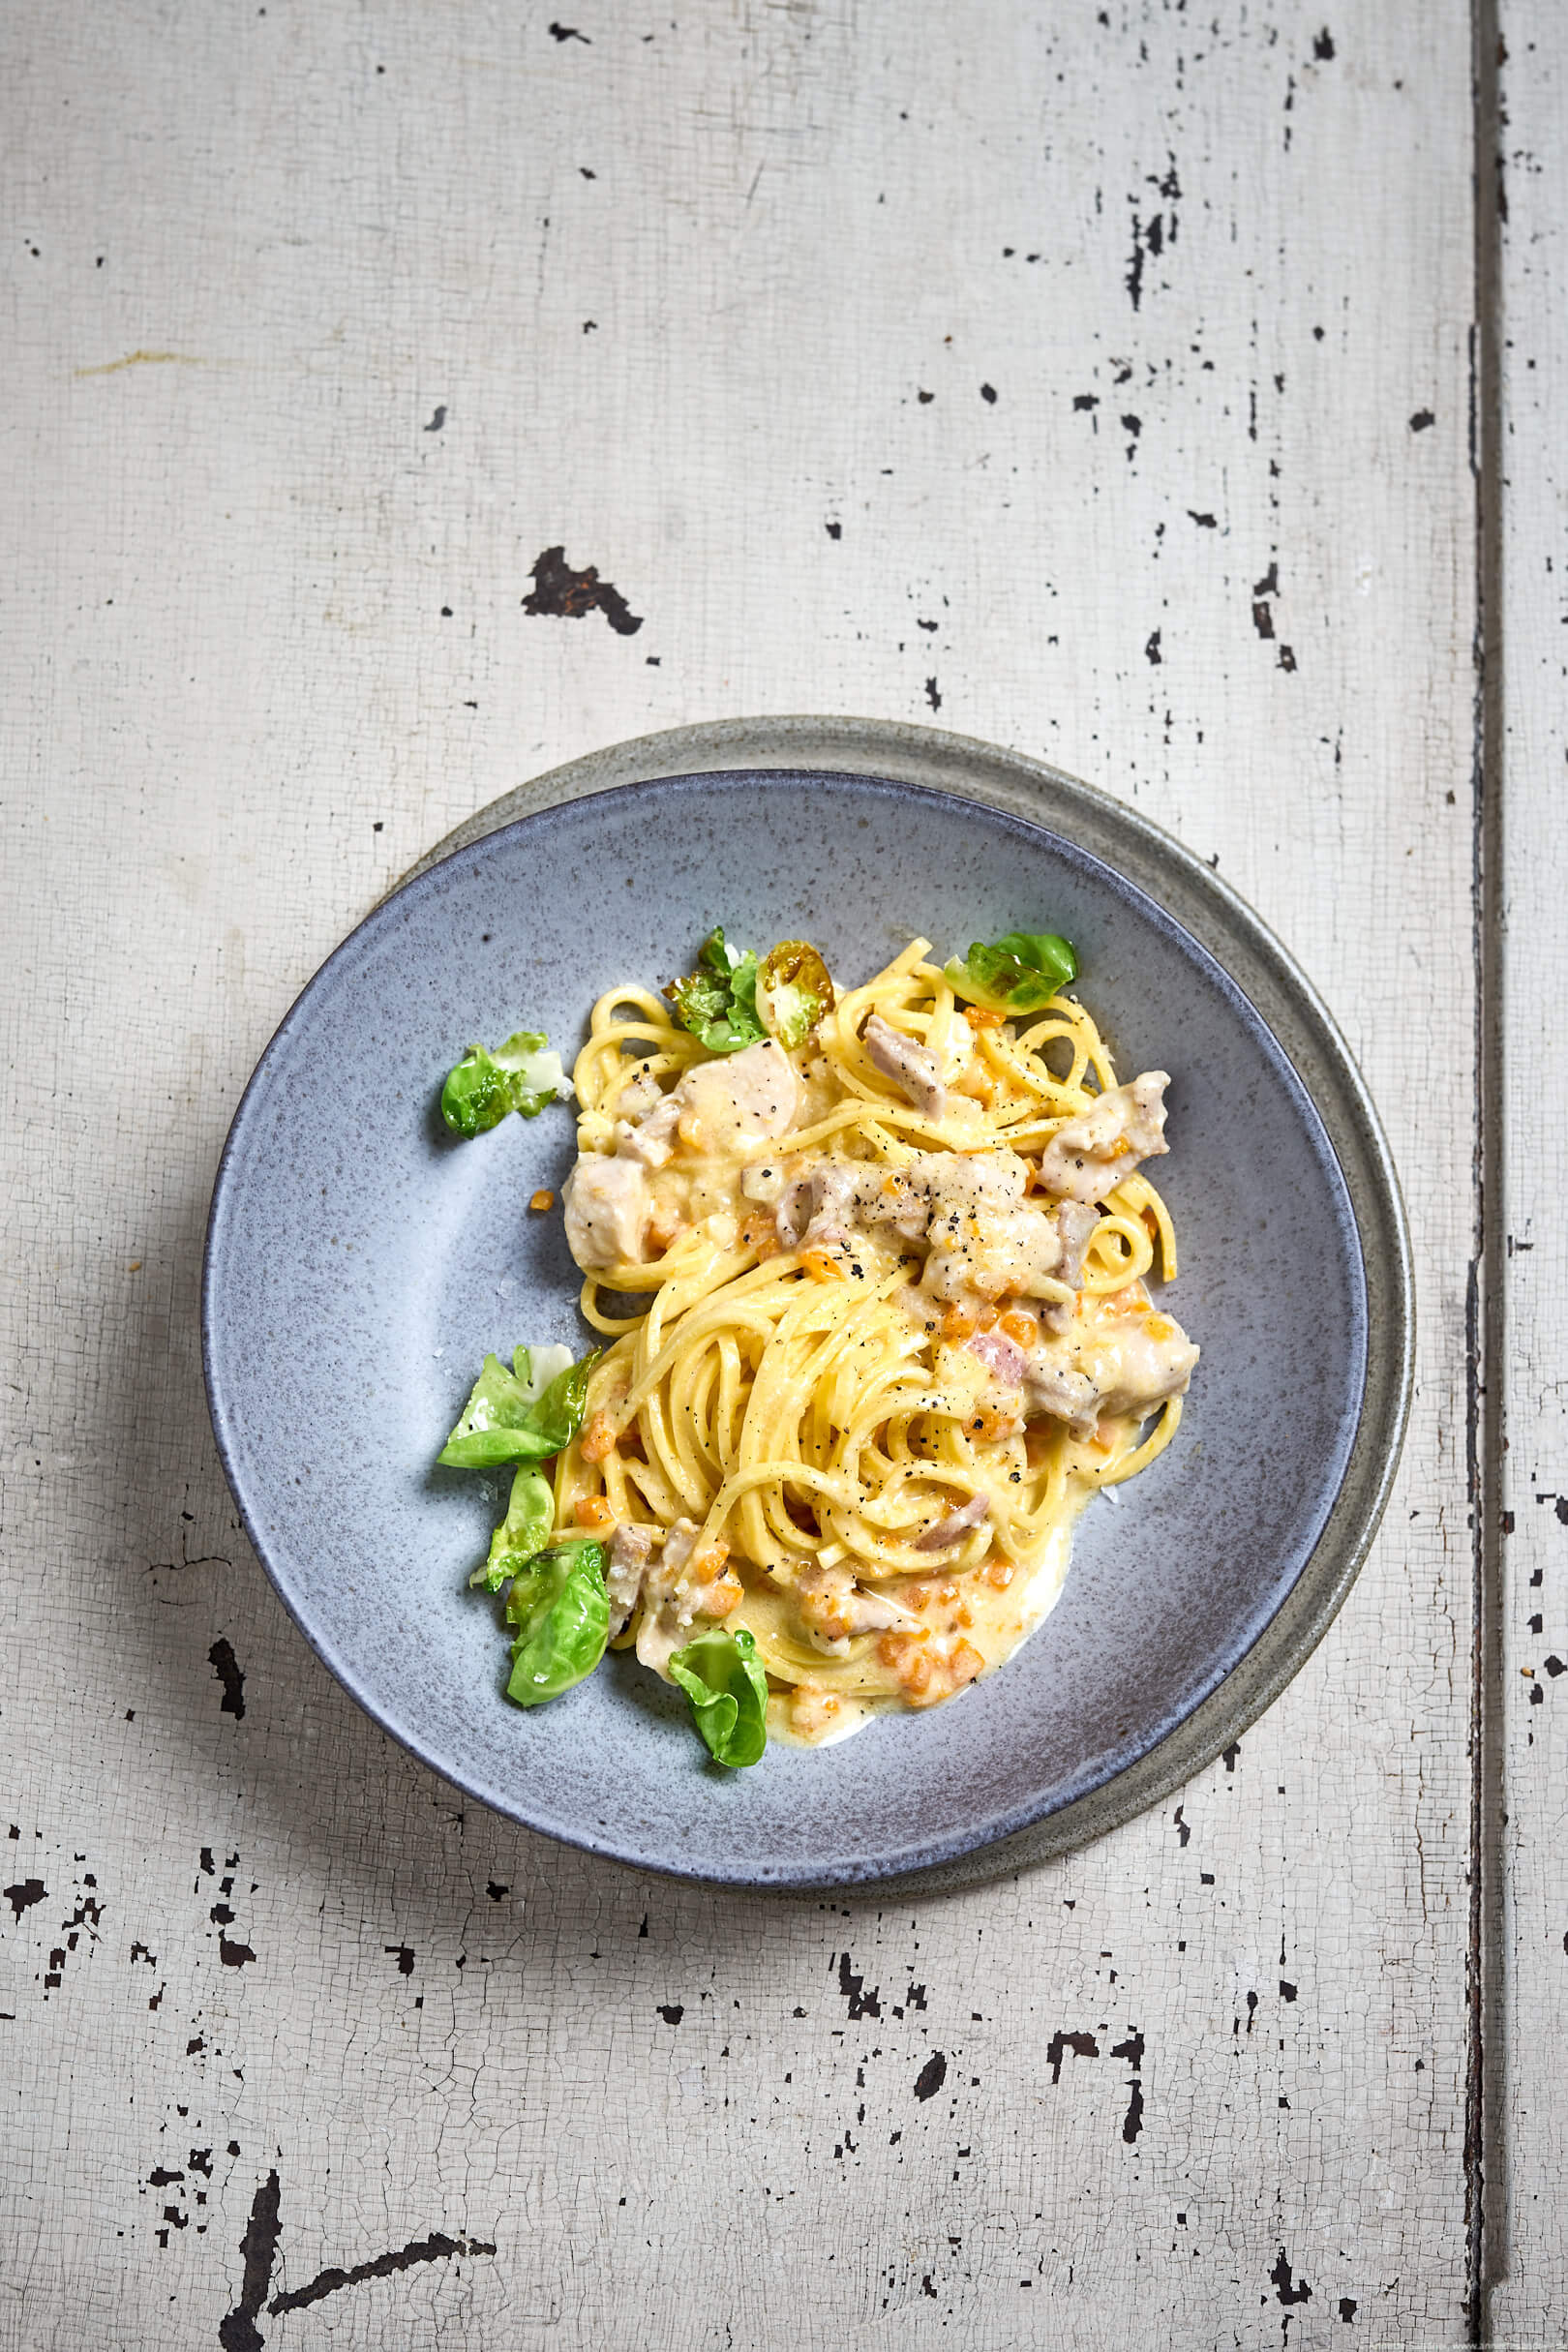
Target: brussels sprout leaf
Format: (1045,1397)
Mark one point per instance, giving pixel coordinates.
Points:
(524,1532)
(1017,973)
(721,1676)
(510,1418)
(519,1076)
(561,1613)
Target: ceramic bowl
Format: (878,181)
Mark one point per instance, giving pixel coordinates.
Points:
(360,1263)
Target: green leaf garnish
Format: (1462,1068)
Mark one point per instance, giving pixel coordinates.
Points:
(721,1676)
(1017,973)
(718,1001)
(794,992)
(519,1076)
(560,1613)
(523,1415)
(523,1533)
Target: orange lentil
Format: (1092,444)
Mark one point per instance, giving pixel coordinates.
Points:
(664,1223)
(599,1438)
(988,1424)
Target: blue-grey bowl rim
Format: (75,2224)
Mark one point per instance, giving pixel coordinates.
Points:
(1193,894)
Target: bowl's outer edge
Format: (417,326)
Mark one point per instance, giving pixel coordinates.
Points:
(1307,1032)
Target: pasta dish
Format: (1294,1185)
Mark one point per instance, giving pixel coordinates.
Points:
(871,1270)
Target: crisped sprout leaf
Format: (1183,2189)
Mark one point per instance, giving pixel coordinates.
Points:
(718,1001)
(509,1417)
(560,1613)
(519,1076)
(723,1678)
(524,1532)
(794,992)
(1017,973)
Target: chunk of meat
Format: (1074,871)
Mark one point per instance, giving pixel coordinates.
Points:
(1112,1365)
(964,1183)
(822,1203)
(994,1253)
(956,1527)
(630,1549)
(606,1203)
(1155,1360)
(833,1609)
(1075,1223)
(739,1101)
(913,1069)
(677,1589)
(640,1094)
(651,1137)
(1063,1390)
(1090,1156)
(731,1104)
(830,1195)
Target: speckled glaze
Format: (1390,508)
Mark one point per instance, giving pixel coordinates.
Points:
(359,1264)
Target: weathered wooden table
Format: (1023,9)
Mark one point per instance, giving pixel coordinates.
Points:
(1159,395)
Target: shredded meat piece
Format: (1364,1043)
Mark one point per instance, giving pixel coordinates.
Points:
(652,1138)
(679,1588)
(913,1068)
(833,1609)
(1090,1156)
(1075,1223)
(956,1527)
(916,1197)
(630,1548)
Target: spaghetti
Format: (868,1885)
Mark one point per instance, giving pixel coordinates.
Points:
(877,1329)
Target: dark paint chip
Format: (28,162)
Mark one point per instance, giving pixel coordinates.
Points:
(226,1666)
(932,2075)
(562,594)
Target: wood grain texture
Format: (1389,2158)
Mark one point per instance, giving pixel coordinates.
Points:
(1527,2163)
(1091,382)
